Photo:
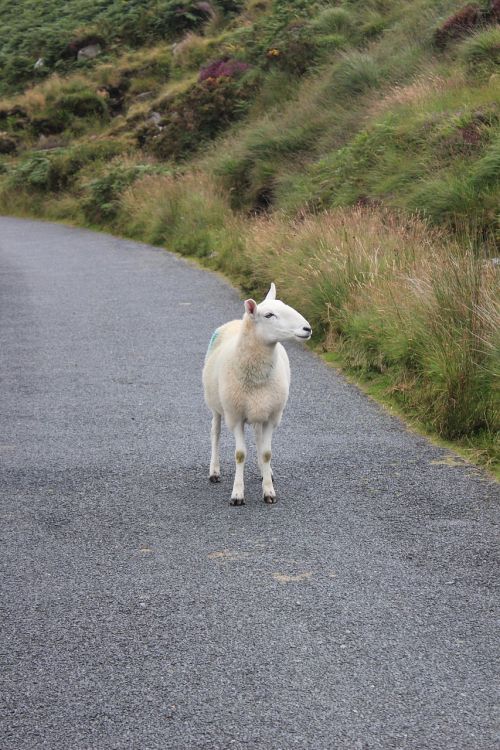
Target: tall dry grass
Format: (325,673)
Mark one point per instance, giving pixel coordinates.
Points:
(35,98)
(398,299)
(415,93)
(187,214)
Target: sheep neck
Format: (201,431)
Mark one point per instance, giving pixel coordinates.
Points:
(256,359)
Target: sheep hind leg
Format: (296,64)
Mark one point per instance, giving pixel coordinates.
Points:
(215,436)
(268,490)
(238,493)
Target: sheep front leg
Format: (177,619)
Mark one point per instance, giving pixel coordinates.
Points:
(258,443)
(238,494)
(267,475)
(215,436)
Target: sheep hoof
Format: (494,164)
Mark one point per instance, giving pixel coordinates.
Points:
(270,500)
(215,478)
(237,501)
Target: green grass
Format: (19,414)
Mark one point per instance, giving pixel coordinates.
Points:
(438,157)
(480,451)
(481,53)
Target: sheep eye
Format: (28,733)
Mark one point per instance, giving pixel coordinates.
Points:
(270,315)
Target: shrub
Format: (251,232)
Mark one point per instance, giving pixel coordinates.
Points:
(35,173)
(463,22)
(195,116)
(102,201)
(61,110)
(185,15)
(56,30)
(17,71)
(57,170)
(223,67)
(293,49)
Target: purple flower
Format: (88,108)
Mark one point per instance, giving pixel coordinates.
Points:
(223,67)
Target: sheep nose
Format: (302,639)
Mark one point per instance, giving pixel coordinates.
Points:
(307,328)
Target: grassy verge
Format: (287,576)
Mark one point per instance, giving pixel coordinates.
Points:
(480,450)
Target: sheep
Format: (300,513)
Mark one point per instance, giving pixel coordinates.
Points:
(246,379)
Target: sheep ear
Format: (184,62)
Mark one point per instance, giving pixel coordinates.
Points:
(251,307)
(272,292)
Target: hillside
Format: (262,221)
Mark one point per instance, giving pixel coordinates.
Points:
(349,150)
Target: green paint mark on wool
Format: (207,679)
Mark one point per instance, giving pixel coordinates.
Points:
(212,340)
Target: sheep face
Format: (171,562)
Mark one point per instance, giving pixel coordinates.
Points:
(274,321)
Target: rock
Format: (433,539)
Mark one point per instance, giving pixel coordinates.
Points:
(154,118)
(8,144)
(48,142)
(40,63)
(89,52)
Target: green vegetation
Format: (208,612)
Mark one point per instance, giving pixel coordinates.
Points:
(55,31)
(349,150)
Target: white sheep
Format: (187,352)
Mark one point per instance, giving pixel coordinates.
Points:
(246,379)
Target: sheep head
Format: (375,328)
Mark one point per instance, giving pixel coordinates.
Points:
(274,321)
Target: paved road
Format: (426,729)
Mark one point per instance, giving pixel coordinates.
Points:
(141,611)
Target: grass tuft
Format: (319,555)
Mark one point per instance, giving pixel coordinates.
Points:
(357,73)
(481,53)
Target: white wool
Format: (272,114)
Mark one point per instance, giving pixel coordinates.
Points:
(246,379)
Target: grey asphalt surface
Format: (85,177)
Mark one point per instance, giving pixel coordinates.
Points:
(141,611)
